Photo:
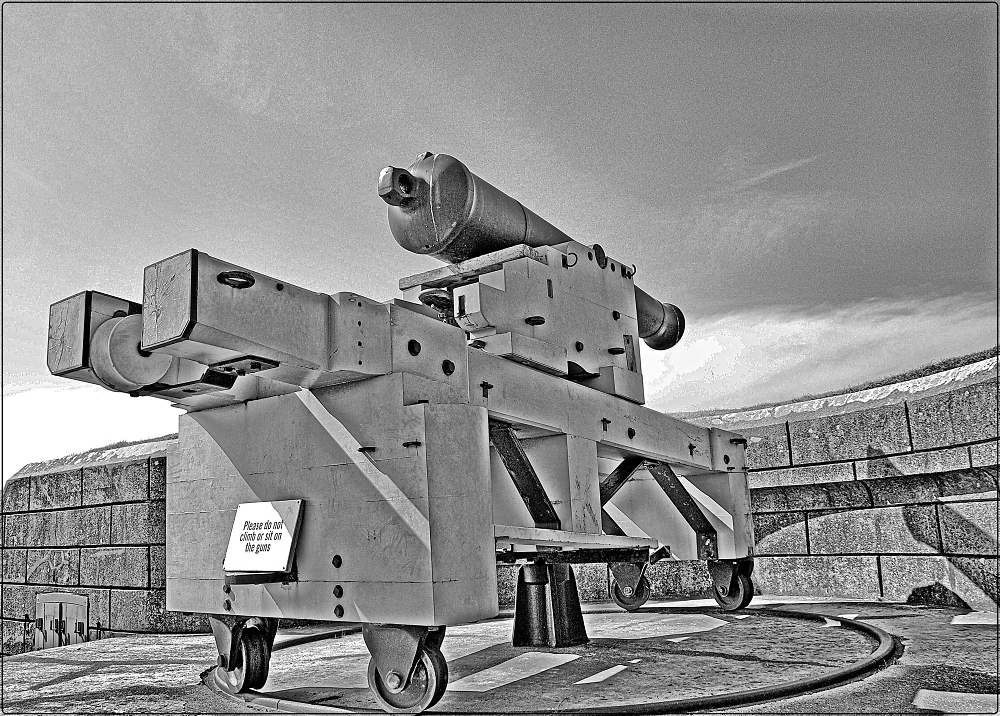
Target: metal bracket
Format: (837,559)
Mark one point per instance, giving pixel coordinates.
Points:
(228,629)
(245,365)
(628,574)
(579,556)
(724,572)
(212,381)
(261,577)
(394,648)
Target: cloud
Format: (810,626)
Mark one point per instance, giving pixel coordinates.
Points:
(756,356)
(765,175)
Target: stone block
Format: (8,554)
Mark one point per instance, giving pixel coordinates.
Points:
(850,436)
(976,581)
(881,530)
(964,415)
(119,482)
(591,582)
(15,530)
(15,494)
(917,463)
(99,606)
(969,528)
(780,533)
(985,454)
(138,610)
(670,578)
(15,566)
(942,581)
(56,490)
(54,566)
(115,567)
(850,577)
(157,478)
(904,490)
(19,599)
(918,580)
(796,498)
(157,567)
(139,523)
(18,636)
(187,623)
(809,475)
(980,481)
(767,446)
(83,527)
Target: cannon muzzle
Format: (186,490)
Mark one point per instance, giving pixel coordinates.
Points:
(438,207)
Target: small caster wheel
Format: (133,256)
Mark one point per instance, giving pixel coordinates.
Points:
(738,596)
(251,667)
(631,602)
(427,684)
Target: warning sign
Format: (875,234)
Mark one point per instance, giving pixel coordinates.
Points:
(263,537)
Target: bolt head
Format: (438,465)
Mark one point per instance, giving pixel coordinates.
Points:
(628,591)
(393,680)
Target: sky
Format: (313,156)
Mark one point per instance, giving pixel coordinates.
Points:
(814,186)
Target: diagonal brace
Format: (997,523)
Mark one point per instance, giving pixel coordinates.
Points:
(523,474)
(621,474)
(706,537)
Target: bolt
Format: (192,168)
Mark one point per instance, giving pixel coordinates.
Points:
(338,611)
(393,680)
(628,591)
(338,591)
(227,605)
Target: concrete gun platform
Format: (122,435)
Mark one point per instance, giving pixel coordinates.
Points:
(668,652)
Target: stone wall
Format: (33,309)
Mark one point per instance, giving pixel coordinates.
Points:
(888,493)
(94,525)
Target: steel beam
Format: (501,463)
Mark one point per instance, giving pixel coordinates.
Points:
(523,474)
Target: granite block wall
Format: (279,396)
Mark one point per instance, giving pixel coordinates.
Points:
(889,493)
(97,530)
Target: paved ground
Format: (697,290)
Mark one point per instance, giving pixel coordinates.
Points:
(668,652)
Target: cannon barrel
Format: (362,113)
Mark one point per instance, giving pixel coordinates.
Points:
(437,206)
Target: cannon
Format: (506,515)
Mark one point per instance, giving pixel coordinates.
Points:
(353,460)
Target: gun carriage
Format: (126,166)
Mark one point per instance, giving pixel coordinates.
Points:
(352,460)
